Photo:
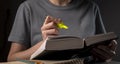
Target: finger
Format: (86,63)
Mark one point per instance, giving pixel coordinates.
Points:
(48,26)
(57,21)
(48,19)
(113,45)
(100,54)
(96,55)
(106,49)
(50,32)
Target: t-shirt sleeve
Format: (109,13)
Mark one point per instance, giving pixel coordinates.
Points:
(100,28)
(20,32)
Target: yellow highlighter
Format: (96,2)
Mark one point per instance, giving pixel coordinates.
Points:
(61,25)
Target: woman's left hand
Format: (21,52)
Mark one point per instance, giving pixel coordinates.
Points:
(105,52)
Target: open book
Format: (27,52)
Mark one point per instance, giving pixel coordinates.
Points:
(63,47)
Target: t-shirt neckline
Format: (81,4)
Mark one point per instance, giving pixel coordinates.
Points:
(72,4)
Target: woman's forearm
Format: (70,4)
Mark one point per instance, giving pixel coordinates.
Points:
(26,54)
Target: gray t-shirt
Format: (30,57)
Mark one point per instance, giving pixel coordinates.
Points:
(81,16)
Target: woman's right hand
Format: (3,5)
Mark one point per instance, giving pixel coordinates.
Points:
(49,27)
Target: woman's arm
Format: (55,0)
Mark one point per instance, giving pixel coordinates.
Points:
(19,51)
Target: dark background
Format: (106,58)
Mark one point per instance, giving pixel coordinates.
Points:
(110,11)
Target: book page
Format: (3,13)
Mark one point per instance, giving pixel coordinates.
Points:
(100,38)
(39,50)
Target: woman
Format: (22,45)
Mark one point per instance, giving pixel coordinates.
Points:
(31,27)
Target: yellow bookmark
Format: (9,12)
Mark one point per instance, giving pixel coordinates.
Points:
(61,25)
